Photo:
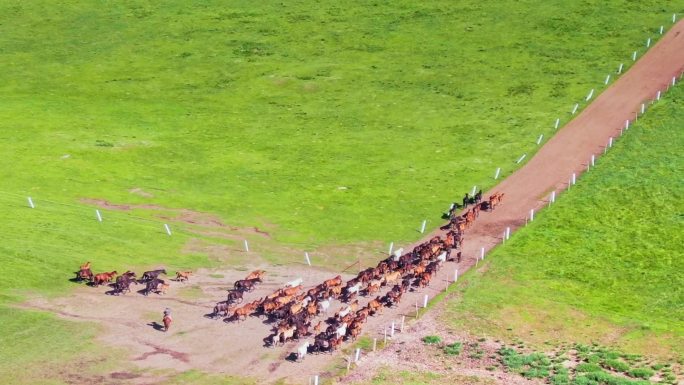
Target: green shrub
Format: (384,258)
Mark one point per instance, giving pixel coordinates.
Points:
(644,373)
(657,366)
(432,340)
(587,368)
(616,365)
(453,349)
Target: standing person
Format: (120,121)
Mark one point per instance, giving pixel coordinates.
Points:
(466,200)
(167,319)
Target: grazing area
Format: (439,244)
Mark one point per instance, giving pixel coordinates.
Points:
(330,129)
(600,265)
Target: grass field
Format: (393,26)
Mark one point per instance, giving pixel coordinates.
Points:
(603,263)
(261,115)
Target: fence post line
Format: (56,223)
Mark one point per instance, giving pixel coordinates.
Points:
(619,71)
(541,137)
(658,96)
(661,29)
(496,175)
(422,227)
(531,215)
(591,94)
(482,253)
(557,123)
(634,55)
(607,80)
(508,233)
(648,42)
(574,109)
(574,178)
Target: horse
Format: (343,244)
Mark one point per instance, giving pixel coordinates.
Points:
(157,285)
(302,350)
(333,282)
(256,274)
(167,322)
(99,279)
(123,282)
(85,266)
(223,306)
(183,275)
(234,296)
(246,284)
(152,274)
(84,274)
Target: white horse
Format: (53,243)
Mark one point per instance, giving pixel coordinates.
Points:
(302,350)
(324,305)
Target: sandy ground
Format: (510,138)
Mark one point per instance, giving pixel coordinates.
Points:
(214,346)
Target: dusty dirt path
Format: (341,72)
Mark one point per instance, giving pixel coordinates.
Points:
(196,342)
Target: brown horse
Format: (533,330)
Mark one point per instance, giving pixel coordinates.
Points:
(256,274)
(183,275)
(167,322)
(99,279)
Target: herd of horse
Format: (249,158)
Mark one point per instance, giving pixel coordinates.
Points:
(122,283)
(292,310)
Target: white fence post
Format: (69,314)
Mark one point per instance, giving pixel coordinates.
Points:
(425,300)
(498,171)
(541,137)
(455,275)
(557,123)
(531,215)
(482,253)
(634,55)
(619,71)
(521,158)
(574,178)
(422,228)
(658,96)
(391,248)
(648,42)
(574,109)
(661,29)
(607,80)
(591,94)
(508,233)
(308,260)
(99,216)
(246,245)
(30,202)
(392,330)
(553,196)
(167,228)
(473,192)
(358,355)
(375,343)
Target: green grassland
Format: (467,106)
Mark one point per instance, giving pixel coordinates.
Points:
(604,263)
(259,113)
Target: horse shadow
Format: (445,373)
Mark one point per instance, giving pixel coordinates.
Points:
(156,325)
(292,357)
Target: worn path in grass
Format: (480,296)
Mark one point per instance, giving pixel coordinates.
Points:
(570,150)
